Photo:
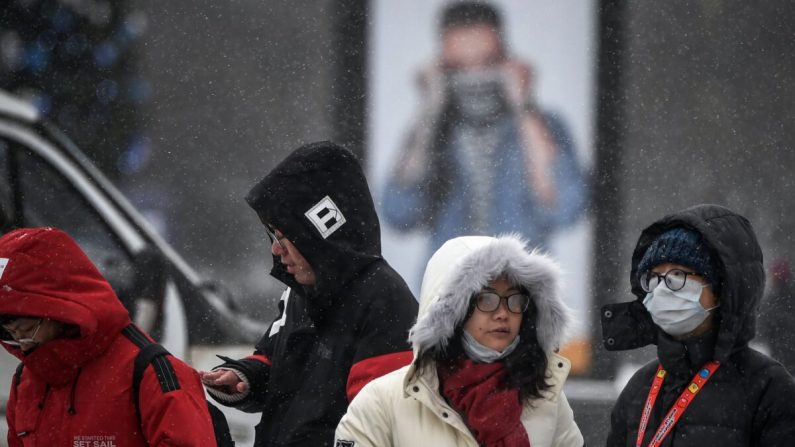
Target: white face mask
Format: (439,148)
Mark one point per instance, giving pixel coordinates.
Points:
(484,354)
(677,313)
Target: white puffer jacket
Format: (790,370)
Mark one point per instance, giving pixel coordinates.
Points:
(404,408)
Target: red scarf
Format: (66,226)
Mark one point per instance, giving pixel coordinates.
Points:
(492,413)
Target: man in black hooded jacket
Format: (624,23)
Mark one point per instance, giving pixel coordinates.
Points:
(698,278)
(345,315)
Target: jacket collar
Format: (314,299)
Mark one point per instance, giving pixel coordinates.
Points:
(684,358)
(558,368)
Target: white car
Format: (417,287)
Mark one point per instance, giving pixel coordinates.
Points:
(46,181)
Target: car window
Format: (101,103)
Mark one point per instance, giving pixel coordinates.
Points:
(48,199)
(6,204)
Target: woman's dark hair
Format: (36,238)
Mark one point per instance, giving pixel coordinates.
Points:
(526,365)
(470,13)
(8,318)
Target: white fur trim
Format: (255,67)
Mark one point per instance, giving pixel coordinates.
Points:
(464,265)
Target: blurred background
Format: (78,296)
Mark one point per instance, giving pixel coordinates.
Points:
(185,105)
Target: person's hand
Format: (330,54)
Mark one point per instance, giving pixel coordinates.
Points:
(414,160)
(518,79)
(223,380)
(541,152)
(432,84)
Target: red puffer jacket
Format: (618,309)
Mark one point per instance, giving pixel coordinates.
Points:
(77,392)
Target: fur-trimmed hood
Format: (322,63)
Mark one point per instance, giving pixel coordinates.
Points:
(732,244)
(464,265)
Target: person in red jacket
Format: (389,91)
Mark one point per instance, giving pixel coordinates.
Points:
(77,346)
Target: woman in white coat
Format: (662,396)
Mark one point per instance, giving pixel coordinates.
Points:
(485,371)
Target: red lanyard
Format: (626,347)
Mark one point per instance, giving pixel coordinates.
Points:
(676,411)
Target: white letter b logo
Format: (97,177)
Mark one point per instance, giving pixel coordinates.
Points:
(325,216)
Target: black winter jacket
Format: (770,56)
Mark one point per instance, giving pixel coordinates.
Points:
(750,401)
(352,326)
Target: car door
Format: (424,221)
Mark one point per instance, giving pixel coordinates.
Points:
(40,186)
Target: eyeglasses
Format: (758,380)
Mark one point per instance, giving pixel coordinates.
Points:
(272,234)
(19,341)
(674,279)
(489,302)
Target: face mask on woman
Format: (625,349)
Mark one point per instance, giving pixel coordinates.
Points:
(484,354)
(677,312)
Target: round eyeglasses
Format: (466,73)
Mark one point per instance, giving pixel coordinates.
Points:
(674,279)
(489,302)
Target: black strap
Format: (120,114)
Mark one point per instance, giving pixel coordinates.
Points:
(136,336)
(223,437)
(154,354)
(18,374)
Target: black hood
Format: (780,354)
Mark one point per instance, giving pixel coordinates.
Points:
(732,243)
(306,197)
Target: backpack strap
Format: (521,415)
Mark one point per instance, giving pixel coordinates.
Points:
(154,354)
(18,374)
(223,437)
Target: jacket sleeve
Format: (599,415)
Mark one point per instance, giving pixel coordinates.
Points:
(773,421)
(382,346)
(405,199)
(12,438)
(404,205)
(366,423)
(617,436)
(567,433)
(174,413)
(254,369)
(570,180)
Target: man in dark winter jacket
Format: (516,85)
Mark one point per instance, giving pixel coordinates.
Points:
(345,315)
(77,346)
(698,278)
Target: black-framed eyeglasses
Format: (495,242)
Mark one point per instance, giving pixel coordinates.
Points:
(489,302)
(272,234)
(674,279)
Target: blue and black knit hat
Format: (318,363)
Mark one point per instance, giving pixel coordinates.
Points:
(680,246)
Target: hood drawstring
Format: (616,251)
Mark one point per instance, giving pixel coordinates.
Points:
(40,406)
(44,398)
(72,409)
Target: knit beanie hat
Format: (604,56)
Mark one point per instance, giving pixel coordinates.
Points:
(680,246)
